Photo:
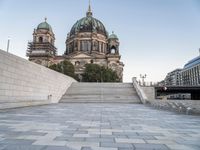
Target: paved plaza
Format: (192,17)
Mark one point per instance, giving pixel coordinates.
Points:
(97,127)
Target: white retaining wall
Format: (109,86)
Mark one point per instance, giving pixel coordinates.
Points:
(139,91)
(149,92)
(24,83)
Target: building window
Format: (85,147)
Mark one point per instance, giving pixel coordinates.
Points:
(77,63)
(40,39)
(113,50)
(102,47)
(89,45)
(86,45)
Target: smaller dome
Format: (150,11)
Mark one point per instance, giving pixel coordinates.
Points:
(113,36)
(44,25)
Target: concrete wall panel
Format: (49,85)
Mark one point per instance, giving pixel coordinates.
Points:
(24,83)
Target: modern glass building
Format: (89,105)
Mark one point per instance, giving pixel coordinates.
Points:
(190,74)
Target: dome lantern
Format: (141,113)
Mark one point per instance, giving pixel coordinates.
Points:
(89,12)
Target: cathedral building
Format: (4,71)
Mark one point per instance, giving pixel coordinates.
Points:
(87,42)
(42,50)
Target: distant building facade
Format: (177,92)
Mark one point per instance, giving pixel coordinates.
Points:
(173,77)
(87,42)
(191,72)
(188,76)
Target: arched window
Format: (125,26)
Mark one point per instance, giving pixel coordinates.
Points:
(113,50)
(77,63)
(86,45)
(102,47)
(89,45)
(34,39)
(40,39)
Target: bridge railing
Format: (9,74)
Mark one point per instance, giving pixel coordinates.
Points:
(150,83)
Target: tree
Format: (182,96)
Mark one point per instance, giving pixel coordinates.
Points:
(96,73)
(109,75)
(92,73)
(56,67)
(64,67)
(68,68)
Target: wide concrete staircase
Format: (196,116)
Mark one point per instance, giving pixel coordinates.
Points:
(100,93)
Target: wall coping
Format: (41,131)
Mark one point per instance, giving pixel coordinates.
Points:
(139,91)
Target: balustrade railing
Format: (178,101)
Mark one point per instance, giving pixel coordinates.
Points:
(148,83)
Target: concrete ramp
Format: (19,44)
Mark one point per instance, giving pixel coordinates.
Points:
(100,93)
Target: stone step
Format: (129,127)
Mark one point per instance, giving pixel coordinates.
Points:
(101,85)
(133,100)
(97,96)
(119,91)
(100,100)
(136,101)
(100,93)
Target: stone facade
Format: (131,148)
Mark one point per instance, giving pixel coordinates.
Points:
(173,77)
(42,50)
(189,75)
(87,42)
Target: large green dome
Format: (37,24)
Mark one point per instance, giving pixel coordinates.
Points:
(44,25)
(88,24)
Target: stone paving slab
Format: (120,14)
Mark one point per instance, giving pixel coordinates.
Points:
(97,127)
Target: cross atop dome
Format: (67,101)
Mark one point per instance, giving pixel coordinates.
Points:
(89,12)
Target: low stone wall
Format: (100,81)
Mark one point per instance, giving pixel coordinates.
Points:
(23,83)
(180,106)
(139,91)
(149,92)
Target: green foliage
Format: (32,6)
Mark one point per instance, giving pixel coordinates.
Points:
(68,68)
(56,67)
(92,73)
(64,67)
(109,75)
(96,73)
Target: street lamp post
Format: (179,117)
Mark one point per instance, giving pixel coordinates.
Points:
(143,77)
(8,44)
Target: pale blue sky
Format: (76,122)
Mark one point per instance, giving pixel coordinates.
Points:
(156,36)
